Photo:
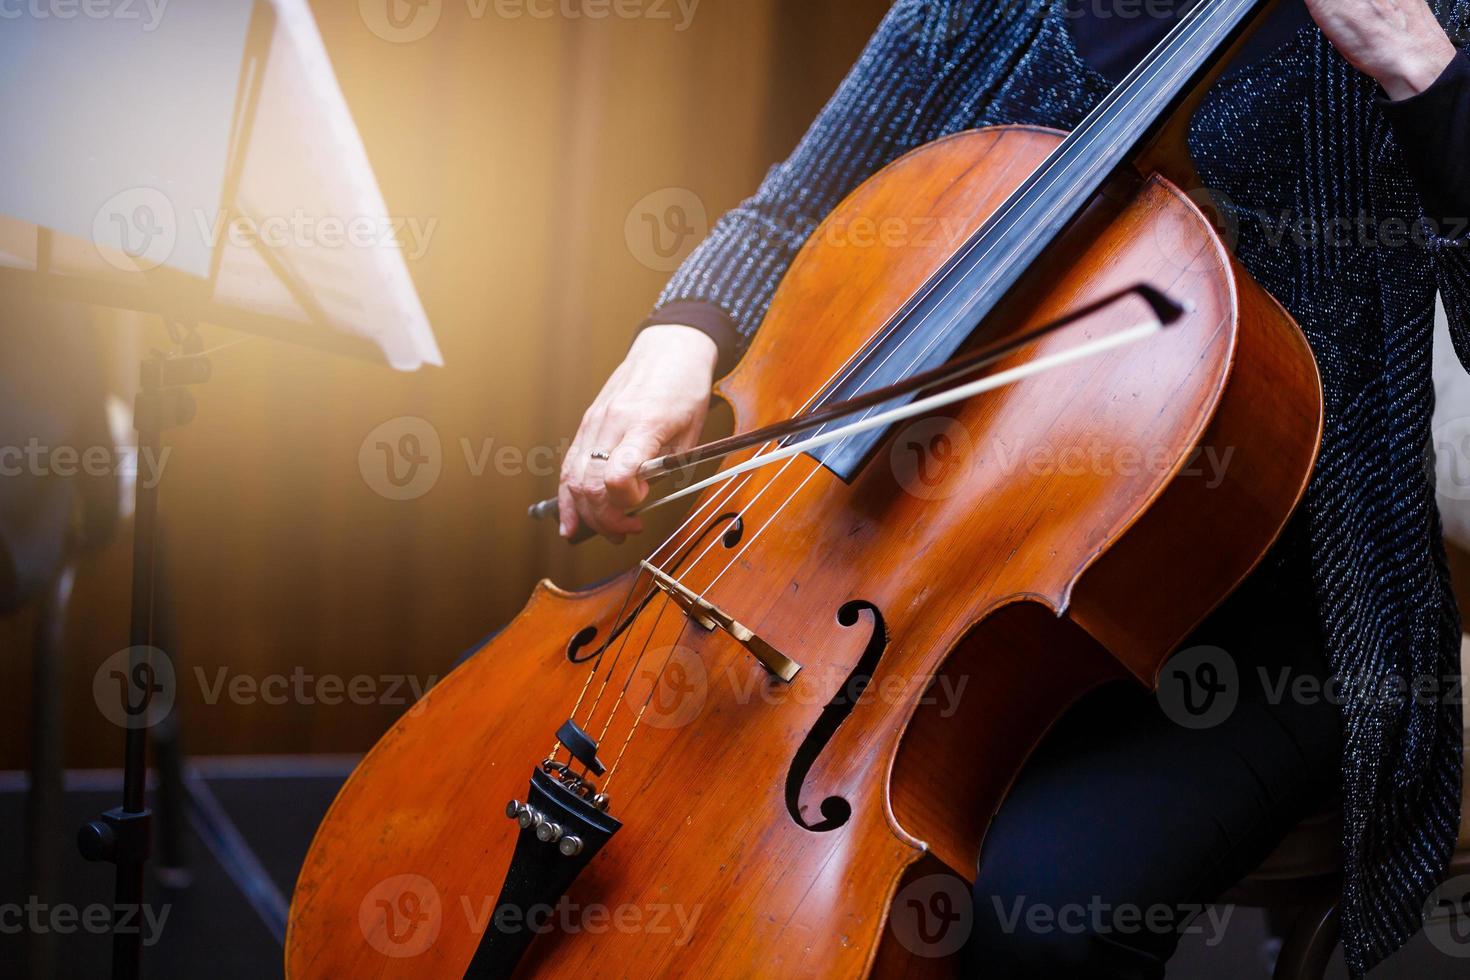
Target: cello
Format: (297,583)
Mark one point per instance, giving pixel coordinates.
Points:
(751,753)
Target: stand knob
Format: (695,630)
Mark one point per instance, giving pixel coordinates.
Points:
(97,841)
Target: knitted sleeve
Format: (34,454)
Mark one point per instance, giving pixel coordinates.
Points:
(885,106)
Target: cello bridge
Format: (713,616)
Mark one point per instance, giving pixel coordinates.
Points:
(711,617)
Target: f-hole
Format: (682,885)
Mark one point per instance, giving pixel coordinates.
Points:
(580,639)
(733,533)
(583,637)
(836,811)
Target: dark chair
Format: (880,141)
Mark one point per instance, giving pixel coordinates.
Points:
(1303,879)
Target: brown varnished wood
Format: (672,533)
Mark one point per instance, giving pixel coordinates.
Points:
(995,666)
(1006,564)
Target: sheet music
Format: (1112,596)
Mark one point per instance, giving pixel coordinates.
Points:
(308,190)
(121,142)
(100,109)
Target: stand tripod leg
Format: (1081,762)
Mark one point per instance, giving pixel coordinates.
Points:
(168,753)
(45,794)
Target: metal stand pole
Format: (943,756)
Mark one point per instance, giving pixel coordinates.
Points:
(122,834)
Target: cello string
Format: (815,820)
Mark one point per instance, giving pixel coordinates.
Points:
(729,491)
(1185,33)
(711,503)
(663,607)
(627,628)
(1192,25)
(638,660)
(596,664)
(638,718)
(770,521)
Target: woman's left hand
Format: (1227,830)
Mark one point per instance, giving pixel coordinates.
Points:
(1397,42)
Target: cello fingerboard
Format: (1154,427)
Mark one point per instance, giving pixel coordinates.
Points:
(948,309)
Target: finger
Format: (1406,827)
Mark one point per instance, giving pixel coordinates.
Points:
(688,437)
(596,510)
(589,487)
(640,444)
(572,466)
(565,506)
(566,511)
(597,427)
(691,435)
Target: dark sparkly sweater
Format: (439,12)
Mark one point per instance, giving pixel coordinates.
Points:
(1342,210)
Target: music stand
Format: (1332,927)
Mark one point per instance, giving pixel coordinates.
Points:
(122,835)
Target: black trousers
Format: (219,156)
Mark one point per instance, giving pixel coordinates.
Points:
(1138,810)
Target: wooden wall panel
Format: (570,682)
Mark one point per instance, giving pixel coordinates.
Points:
(523,142)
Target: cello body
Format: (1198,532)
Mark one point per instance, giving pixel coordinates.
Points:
(988,567)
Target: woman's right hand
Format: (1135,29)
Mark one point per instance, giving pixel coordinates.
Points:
(654,403)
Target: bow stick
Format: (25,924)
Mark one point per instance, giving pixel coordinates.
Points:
(1165,312)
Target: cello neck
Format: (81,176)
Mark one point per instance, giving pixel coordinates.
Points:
(941,315)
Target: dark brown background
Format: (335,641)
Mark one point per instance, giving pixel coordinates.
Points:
(529,140)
